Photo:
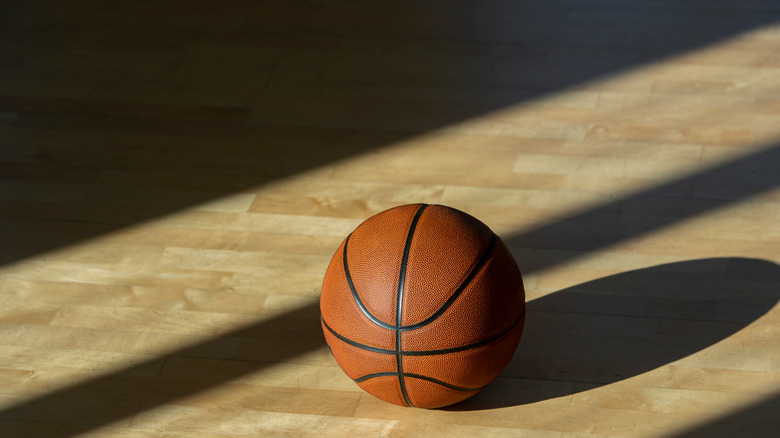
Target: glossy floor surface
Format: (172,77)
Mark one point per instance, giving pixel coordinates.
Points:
(176,175)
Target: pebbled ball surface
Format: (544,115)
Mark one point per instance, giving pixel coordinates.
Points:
(422,305)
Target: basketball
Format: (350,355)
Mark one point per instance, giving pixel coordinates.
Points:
(422,305)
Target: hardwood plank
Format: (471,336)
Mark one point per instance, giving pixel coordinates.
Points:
(175,177)
(253,422)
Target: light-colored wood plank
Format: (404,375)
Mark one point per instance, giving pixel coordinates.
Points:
(175,177)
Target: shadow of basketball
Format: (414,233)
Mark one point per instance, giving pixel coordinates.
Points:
(621,326)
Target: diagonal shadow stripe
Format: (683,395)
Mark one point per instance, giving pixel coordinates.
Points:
(95,143)
(172,144)
(122,394)
(758,419)
(580,233)
(128,395)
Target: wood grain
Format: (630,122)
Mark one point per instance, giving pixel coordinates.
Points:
(176,175)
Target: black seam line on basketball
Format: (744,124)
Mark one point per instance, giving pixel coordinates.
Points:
(404,263)
(419,376)
(355,295)
(438,313)
(469,346)
(372,375)
(426,352)
(460,289)
(399,304)
(356,344)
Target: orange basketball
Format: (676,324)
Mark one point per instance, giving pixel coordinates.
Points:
(422,305)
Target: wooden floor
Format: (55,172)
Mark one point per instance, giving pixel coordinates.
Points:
(175,176)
